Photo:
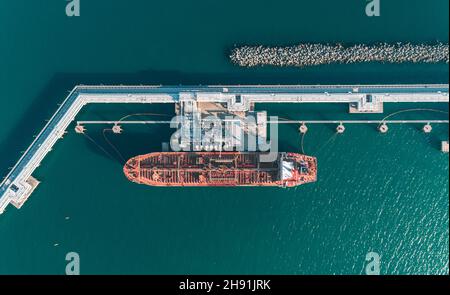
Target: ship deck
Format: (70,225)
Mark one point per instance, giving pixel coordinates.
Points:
(207,169)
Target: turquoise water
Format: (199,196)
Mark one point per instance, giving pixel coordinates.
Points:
(383,193)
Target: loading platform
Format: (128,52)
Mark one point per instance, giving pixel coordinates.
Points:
(18,185)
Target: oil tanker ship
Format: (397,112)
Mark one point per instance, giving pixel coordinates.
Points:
(220,169)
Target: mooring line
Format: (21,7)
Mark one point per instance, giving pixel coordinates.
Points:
(143,114)
(411,110)
(302,140)
(99,146)
(332,138)
(112,145)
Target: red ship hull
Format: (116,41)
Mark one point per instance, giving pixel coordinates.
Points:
(220,169)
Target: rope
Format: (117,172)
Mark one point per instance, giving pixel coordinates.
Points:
(113,147)
(411,110)
(143,114)
(301,144)
(332,138)
(99,146)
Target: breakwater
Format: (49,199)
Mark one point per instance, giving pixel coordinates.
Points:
(314,54)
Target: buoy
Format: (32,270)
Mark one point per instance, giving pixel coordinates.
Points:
(427,128)
(383,128)
(303,129)
(80,129)
(340,128)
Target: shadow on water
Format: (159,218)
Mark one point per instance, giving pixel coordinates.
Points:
(435,138)
(45,104)
(135,140)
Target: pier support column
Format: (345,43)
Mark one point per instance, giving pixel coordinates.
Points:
(80,129)
(444,147)
(117,129)
(303,129)
(383,128)
(427,128)
(340,129)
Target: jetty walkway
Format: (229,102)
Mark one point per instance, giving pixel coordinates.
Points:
(18,185)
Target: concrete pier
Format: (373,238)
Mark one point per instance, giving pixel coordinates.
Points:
(19,184)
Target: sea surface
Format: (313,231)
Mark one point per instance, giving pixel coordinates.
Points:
(383,193)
